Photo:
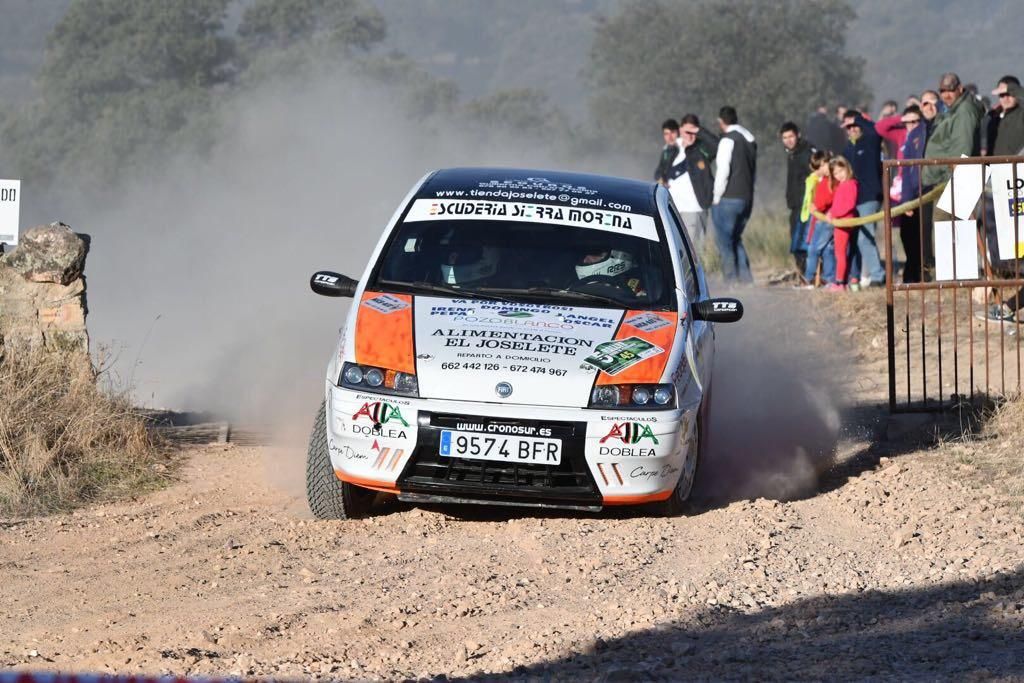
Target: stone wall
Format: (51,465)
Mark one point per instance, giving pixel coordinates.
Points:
(42,291)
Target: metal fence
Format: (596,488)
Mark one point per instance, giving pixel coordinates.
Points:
(945,349)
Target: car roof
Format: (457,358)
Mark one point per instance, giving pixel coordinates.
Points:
(564,188)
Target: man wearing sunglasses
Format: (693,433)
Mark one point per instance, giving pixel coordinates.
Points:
(864,152)
(1009,135)
(691,182)
(957,132)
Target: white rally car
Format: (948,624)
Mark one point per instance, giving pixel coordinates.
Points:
(520,338)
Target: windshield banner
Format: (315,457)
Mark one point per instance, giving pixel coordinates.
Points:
(481,210)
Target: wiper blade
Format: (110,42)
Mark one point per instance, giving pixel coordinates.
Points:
(436,288)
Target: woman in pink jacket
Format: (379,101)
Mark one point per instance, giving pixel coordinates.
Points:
(844,205)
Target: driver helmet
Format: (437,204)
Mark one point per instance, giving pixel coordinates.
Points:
(468,263)
(607,262)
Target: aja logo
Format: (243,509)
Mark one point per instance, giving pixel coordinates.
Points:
(380,413)
(630,433)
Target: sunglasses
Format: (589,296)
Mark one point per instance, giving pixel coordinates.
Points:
(1005,94)
(947,89)
(851,126)
(688,132)
(908,122)
(927,103)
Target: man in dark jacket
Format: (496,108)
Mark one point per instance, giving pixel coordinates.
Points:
(822,132)
(798,167)
(691,182)
(1010,138)
(864,152)
(670,135)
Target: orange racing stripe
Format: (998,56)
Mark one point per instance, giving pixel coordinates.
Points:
(385,339)
(651,369)
(637,499)
(382,486)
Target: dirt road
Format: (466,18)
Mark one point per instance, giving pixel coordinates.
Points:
(894,567)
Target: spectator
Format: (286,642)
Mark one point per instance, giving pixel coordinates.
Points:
(889,108)
(691,183)
(734,194)
(930,109)
(798,160)
(844,205)
(955,132)
(818,193)
(840,112)
(1006,103)
(822,132)
(670,134)
(1010,139)
(906,187)
(864,154)
(1009,142)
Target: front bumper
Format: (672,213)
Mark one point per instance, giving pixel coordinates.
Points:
(391,444)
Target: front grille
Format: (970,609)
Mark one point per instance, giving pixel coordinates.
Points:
(430,473)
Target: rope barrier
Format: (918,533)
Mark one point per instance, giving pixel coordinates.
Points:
(929,196)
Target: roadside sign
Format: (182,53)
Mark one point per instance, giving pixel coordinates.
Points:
(10,210)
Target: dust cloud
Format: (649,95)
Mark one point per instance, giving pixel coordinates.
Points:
(198,274)
(778,399)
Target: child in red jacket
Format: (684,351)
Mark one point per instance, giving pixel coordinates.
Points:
(844,205)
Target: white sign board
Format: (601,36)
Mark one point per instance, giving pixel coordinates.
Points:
(965,187)
(10,211)
(956,243)
(1008,201)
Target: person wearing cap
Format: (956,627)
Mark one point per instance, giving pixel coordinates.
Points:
(955,133)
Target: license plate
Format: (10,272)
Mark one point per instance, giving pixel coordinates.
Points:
(519,449)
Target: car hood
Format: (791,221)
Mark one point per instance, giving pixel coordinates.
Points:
(541,354)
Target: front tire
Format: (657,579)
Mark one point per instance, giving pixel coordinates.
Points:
(679,502)
(328,496)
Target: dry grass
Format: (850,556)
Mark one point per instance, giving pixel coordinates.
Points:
(995,455)
(64,441)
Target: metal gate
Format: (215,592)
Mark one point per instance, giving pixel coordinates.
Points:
(944,350)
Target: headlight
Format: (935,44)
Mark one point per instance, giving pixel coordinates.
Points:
(634,396)
(378,380)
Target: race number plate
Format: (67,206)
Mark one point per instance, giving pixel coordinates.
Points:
(516,449)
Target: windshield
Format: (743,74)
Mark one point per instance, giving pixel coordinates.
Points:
(533,261)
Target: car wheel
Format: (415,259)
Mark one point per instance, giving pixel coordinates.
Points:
(679,502)
(328,496)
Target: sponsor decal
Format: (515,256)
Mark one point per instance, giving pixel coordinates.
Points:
(376,397)
(507,340)
(499,428)
(515,314)
(625,418)
(630,433)
(385,303)
(346,451)
(615,356)
(475,209)
(380,413)
(626,452)
(424,356)
(647,322)
(450,310)
(641,472)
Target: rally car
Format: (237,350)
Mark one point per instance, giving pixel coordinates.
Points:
(520,337)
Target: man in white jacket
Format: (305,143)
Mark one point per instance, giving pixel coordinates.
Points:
(736,163)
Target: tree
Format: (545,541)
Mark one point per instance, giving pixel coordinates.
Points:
(340,24)
(119,79)
(772,61)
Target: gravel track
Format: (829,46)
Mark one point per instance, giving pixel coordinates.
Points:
(891,564)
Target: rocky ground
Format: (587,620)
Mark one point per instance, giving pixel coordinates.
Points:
(822,549)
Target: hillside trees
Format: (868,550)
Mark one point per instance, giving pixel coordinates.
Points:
(772,61)
(123,82)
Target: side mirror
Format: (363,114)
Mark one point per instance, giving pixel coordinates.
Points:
(718,310)
(326,283)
